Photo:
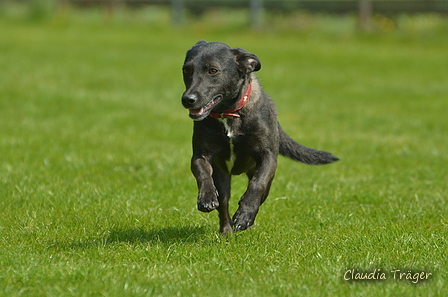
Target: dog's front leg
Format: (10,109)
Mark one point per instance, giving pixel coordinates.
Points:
(207,193)
(257,191)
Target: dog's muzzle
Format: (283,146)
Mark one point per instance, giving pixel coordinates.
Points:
(201,113)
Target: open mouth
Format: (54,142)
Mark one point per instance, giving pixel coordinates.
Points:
(199,114)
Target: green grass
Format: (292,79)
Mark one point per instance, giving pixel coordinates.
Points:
(96,195)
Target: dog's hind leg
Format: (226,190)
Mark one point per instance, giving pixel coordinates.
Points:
(266,193)
(222,184)
(256,193)
(250,174)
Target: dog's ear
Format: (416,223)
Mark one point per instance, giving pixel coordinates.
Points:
(246,62)
(200,42)
(193,47)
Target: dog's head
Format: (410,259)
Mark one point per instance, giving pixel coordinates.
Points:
(213,75)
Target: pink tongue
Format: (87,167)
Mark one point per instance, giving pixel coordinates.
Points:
(196,111)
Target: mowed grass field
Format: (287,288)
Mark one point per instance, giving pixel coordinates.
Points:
(96,195)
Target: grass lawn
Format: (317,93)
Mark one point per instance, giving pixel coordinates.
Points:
(97,198)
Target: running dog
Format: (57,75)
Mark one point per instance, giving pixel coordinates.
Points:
(235,131)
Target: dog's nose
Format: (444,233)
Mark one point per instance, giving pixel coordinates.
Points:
(189,99)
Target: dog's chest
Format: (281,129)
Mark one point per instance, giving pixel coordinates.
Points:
(230,162)
(235,158)
(228,129)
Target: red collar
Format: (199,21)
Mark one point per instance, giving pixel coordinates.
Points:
(229,113)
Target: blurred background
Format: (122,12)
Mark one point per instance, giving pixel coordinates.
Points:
(365,15)
(112,67)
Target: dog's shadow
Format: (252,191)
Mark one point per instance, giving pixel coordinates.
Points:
(140,235)
(165,235)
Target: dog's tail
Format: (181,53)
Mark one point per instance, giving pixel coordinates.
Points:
(295,151)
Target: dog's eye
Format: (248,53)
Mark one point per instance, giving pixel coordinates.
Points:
(213,71)
(185,70)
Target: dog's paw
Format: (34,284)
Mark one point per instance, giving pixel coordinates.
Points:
(243,219)
(208,201)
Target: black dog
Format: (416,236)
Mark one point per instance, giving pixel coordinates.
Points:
(235,131)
